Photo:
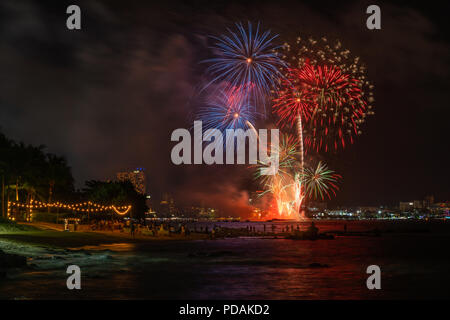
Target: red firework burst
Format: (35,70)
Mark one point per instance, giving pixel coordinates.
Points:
(330,102)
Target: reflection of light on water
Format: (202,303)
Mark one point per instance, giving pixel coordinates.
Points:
(112,247)
(239,268)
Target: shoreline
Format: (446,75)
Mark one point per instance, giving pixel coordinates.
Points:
(60,239)
(52,236)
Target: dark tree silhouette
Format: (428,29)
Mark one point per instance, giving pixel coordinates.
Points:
(118,193)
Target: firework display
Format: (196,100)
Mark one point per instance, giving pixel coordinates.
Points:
(246,59)
(285,187)
(287,159)
(317,88)
(293,182)
(320,181)
(327,88)
(330,102)
(227,108)
(288,196)
(323,52)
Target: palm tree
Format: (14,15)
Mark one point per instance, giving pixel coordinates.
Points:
(58,176)
(5,157)
(32,173)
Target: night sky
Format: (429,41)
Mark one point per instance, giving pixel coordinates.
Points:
(108,96)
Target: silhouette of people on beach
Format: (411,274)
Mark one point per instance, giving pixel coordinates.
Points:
(313,231)
(132,228)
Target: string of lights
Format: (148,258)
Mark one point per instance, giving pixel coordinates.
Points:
(88,207)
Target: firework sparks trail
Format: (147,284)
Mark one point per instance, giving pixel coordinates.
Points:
(285,186)
(249,124)
(300,136)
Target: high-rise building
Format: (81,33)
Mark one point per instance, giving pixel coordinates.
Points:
(136,177)
(167,206)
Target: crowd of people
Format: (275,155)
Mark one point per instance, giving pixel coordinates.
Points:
(107,225)
(168,228)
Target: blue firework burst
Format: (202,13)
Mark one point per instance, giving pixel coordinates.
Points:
(247,59)
(227,108)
